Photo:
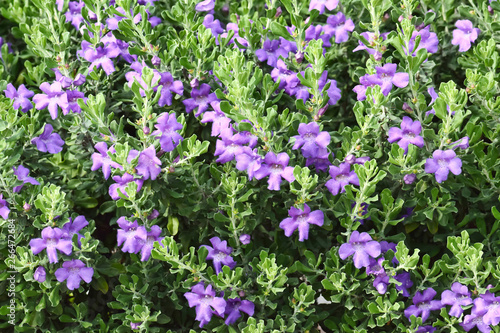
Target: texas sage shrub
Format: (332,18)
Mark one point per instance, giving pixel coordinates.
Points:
(250,166)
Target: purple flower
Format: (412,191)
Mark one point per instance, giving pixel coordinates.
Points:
(409,133)
(101,57)
(135,326)
(321,4)
(103,160)
(229,146)
(270,51)
(310,139)
(169,86)
(423,304)
(319,159)
(489,306)
(245,239)
(72,227)
(52,97)
(220,253)
(425,329)
(147,246)
(40,274)
(74,14)
(282,73)
(338,25)
(205,6)
(333,92)
(464,35)
(275,167)
(442,162)
(249,160)
(476,318)
(148,164)
(22,175)
(341,176)
(409,178)
(166,132)
(362,246)
(463,143)
(217,118)
(296,88)
(213,25)
(386,77)
(428,41)
(131,235)
(48,141)
(66,82)
(4,210)
(200,98)
(300,219)
(205,302)
(74,271)
(121,183)
(457,297)
(370,37)
(52,241)
(406,283)
(20,96)
(233,308)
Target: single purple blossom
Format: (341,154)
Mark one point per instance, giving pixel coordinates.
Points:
(213,25)
(228,147)
(169,86)
(40,275)
(476,318)
(73,227)
(205,6)
(103,160)
(458,296)
(121,183)
(295,88)
(200,98)
(441,163)
(386,77)
(282,73)
(217,118)
(233,308)
(409,178)
(464,35)
(52,241)
(338,25)
(341,176)
(22,175)
(320,159)
(428,41)
(67,82)
(310,139)
(425,329)
(271,51)
(206,303)
(370,37)
(245,239)
(148,164)
(423,304)
(463,143)
(101,57)
(74,271)
(52,97)
(249,160)
(48,141)
(301,219)
(167,127)
(489,305)
(20,96)
(409,133)
(74,13)
(321,4)
(4,210)
(151,237)
(220,253)
(131,235)
(362,246)
(276,167)
(135,326)
(73,97)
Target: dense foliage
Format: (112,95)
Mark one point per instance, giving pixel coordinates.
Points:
(250,166)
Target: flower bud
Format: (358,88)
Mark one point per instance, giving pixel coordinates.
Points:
(350,159)
(278,12)
(154,214)
(241,293)
(156,61)
(194,83)
(407,108)
(400,18)
(409,178)
(245,239)
(40,274)
(146,130)
(26,207)
(299,57)
(377,56)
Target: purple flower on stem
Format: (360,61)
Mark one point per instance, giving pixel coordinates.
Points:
(464,35)
(271,51)
(151,237)
(441,163)
(338,25)
(282,73)
(74,271)
(229,146)
(275,167)
(101,57)
(489,305)
(463,143)
(48,141)
(300,219)
(409,178)
(428,41)
(66,82)
(52,241)
(213,25)
(409,133)
(245,239)
(457,297)
(423,304)
(200,98)
(425,329)
(321,4)
(72,227)
(52,97)
(20,96)
(217,118)
(249,160)
(386,77)
(22,175)
(205,6)
(121,183)
(205,302)
(406,283)
(74,14)
(370,37)
(169,86)
(166,132)
(310,139)
(103,160)
(362,246)
(4,210)
(220,253)
(319,159)
(148,164)
(131,235)
(341,176)
(233,308)
(476,318)
(40,274)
